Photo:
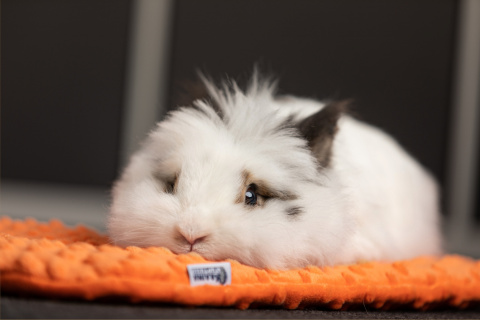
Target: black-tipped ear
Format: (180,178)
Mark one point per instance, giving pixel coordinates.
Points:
(320,128)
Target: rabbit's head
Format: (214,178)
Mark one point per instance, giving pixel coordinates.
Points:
(237,176)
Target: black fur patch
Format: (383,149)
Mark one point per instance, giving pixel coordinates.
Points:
(294,211)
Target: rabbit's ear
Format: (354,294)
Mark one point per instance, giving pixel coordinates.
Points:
(320,128)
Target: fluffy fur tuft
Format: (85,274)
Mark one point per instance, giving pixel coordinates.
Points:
(186,187)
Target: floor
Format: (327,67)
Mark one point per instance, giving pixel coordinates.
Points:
(72,204)
(21,308)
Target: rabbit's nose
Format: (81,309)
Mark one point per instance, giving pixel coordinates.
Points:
(189,237)
(193,240)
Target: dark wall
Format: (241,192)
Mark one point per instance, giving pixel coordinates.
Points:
(63,69)
(63,65)
(394,57)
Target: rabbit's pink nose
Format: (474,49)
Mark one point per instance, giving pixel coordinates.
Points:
(190,238)
(195,241)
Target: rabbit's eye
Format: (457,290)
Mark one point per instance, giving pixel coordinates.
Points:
(251,195)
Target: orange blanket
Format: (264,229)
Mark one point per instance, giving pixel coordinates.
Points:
(52,260)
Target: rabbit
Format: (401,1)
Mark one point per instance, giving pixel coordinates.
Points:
(276,182)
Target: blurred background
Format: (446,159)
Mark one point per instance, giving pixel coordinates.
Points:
(84,81)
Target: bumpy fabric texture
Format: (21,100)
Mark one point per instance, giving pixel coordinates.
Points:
(52,260)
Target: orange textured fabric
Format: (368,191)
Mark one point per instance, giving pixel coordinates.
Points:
(52,260)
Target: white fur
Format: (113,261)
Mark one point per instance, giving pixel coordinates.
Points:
(373,202)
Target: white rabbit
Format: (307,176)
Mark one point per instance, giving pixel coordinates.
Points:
(274,182)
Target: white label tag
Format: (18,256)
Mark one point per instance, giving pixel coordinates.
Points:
(210,273)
